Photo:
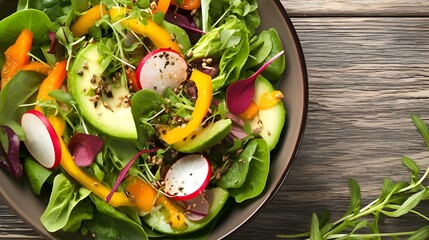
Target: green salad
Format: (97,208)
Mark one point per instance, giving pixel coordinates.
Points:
(139,119)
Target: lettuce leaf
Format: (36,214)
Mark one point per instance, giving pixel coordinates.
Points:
(64,199)
(257,174)
(19,90)
(109,223)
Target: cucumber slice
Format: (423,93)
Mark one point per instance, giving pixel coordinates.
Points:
(204,138)
(269,121)
(158,221)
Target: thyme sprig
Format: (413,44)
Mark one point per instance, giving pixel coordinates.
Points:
(396,200)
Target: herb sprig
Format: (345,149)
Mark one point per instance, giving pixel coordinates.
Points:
(396,199)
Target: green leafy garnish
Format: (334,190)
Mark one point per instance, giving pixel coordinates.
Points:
(396,200)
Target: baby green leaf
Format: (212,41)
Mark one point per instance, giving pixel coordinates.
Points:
(409,204)
(422,127)
(421,234)
(62,96)
(413,167)
(354,197)
(314,231)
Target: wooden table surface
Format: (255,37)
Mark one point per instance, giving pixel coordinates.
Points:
(368,68)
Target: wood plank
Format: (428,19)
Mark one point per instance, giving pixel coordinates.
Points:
(356,7)
(366,75)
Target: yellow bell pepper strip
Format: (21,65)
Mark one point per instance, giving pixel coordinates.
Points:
(158,35)
(38,67)
(266,101)
(53,81)
(94,185)
(87,20)
(189,4)
(162,6)
(205,91)
(140,194)
(146,198)
(16,56)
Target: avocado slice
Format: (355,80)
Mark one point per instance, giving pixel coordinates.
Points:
(269,121)
(102,102)
(157,220)
(205,137)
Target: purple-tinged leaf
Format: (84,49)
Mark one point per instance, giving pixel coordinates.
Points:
(125,170)
(240,94)
(84,148)
(182,21)
(9,157)
(54,43)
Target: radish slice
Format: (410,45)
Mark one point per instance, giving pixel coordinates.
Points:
(162,68)
(41,139)
(188,177)
(197,208)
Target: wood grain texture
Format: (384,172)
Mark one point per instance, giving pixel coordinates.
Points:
(356,7)
(366,76)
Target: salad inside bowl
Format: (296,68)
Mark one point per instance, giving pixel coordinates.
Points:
(125,118)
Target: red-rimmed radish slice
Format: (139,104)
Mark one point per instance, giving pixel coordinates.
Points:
(41,139)
(198,207)
(188,177)
(162,68)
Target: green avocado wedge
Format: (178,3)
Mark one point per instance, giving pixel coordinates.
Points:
(269,122)
(99,99)
(205,137)
(157,220)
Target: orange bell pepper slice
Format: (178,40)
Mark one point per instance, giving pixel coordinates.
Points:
(146,198)
(132,79)
(16,56)
(53,81)
(140,194)
(205,91)
(189,4)
(38,67)
(163,6)
(266,101)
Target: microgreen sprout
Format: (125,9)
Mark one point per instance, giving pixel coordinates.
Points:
(396,200)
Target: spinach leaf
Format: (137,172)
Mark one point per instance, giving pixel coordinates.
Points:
(34,20)
(109,223)
(37,174)
(275,70)
(260,48)
(19,90)
(64,198)
(179,35)
(257,175)
(144,105)
(56,10)
(237,173)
